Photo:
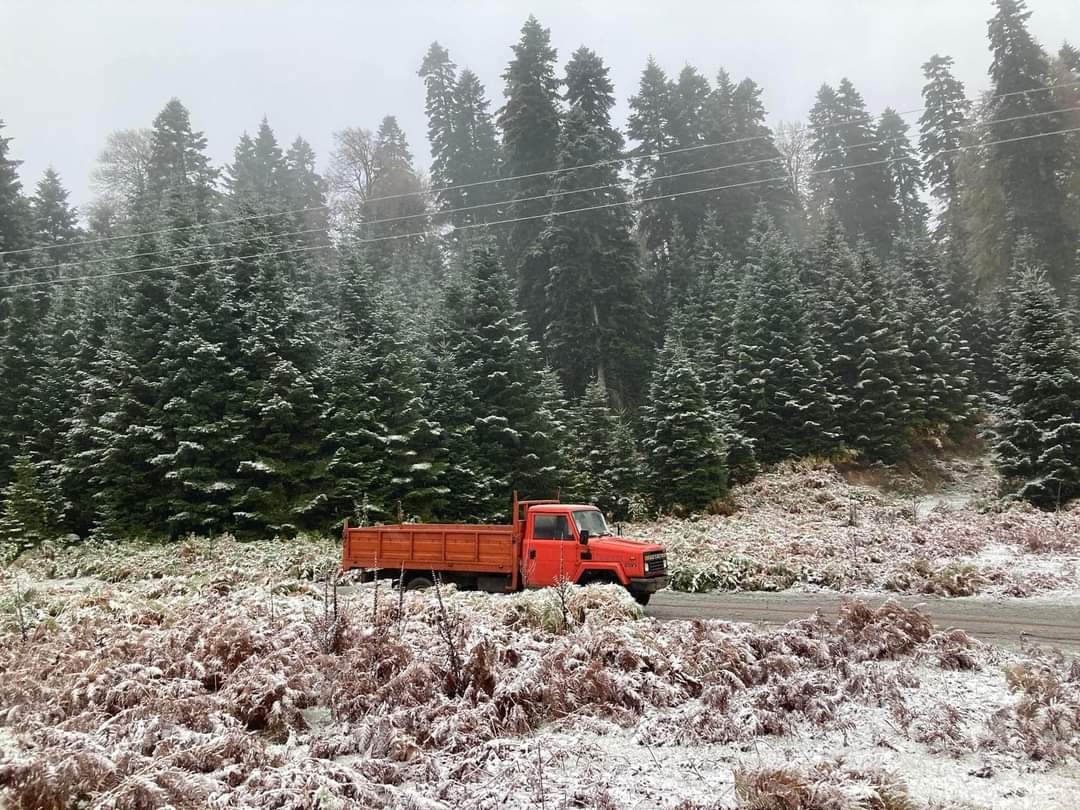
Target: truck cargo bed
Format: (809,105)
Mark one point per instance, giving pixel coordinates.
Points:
(427,546)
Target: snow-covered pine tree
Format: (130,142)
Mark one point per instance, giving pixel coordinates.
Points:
(382,456)
(502,369)
(201,411)
(684,452)
(777,390)
(277,476)
(32,507)
(1038,434)
(865,358)
(599,473)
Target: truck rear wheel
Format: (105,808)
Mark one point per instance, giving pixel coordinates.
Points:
(418,583)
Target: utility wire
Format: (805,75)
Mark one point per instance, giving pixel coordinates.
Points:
(550,172)
(553,214)
(549,196)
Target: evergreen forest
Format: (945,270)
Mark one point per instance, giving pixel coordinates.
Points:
(639,317)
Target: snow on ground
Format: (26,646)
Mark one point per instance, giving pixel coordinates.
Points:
(218,676)
(805,526)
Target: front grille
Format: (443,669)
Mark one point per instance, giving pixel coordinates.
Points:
(655,563)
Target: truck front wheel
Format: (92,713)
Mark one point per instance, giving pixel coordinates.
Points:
(642,598)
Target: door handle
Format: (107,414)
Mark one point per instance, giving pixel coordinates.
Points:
(532,553)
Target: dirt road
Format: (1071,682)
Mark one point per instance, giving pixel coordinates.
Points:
(1006,622)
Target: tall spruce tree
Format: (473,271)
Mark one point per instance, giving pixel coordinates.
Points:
(14,209)
(596,314)
(905,173)
(755,177)
(529,121)
(649,124)
(180,183)
(946,110)
(304,193)
(463,141)
(476,159)
(1038,434)
(201,404)
(851,181)
(1031,169)
(684,452)
(440,79)
(55,221)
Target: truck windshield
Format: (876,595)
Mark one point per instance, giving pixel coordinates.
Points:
(591,520)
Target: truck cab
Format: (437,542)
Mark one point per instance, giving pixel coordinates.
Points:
(572,543)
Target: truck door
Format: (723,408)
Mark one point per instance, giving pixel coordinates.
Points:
(551,550)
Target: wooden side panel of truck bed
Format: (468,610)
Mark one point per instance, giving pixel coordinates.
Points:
(427,546)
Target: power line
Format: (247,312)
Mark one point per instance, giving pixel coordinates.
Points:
(537,197)
(553,214)
(550,172)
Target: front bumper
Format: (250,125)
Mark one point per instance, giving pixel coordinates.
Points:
(648,584)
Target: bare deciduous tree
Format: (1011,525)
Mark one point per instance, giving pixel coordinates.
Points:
(793,143)
(122,174)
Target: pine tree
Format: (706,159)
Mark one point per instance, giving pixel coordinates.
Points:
(866,359)
(55,222)
(501,368)
(256,178)
(1031,170)
(1038,434)
(395,211)
(905,173)
(684,453)
(278,474)
(941,385)
(380,441)
(201,407)
(851,181)
(22,368)
(755,167)
(14,209)
(529,121)
(464,146)
(596,317)
(440,79)
(30,506)
(776,391)
(606,463)
(476,159)
(649,124)
(941,135)
(180,185)
(452,407)
(304,193)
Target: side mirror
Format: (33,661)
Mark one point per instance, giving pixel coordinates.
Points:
(584,537)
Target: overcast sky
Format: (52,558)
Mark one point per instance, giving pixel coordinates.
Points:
(74,71)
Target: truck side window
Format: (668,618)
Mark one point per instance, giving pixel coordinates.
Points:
(544,527)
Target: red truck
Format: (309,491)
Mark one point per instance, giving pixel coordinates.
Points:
(546,542)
